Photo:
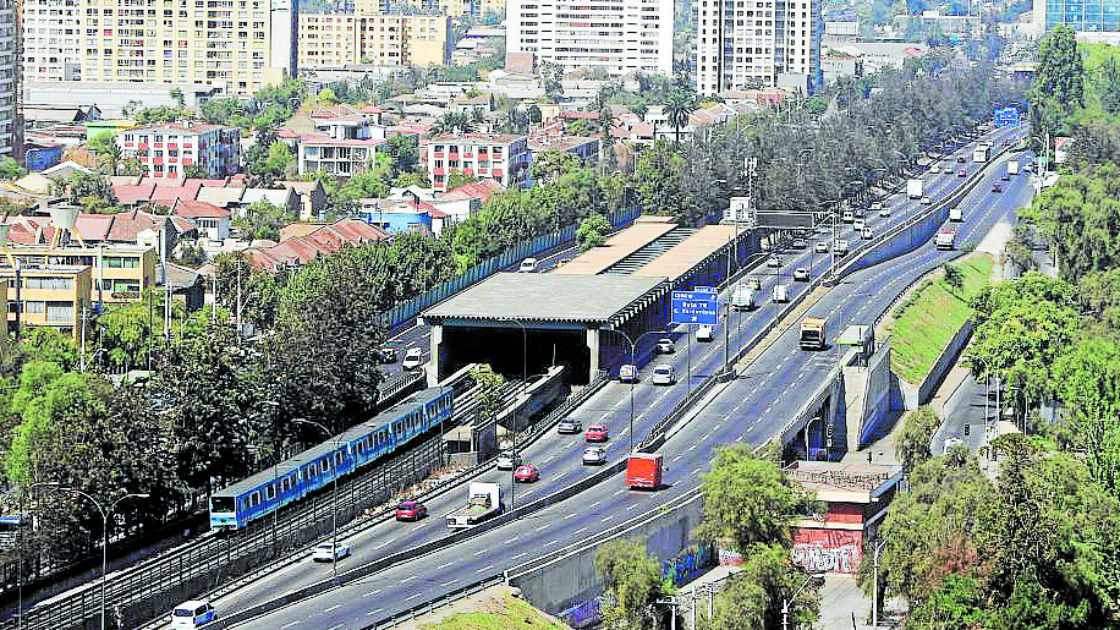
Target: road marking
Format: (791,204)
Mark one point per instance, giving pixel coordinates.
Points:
(632,507)
(448,583)
(372,593)
(580,530)
(485,569)
(374,612)
(514,539)
(408,579)
(552,542)
(678,458)
(480,552)
(695,471)
(520,555)
(605,519)
(413,596)
(290,624)
(596,504)
(543,527)
(444,565)
(618,492)
(332,608)
(572,515)
(337,626)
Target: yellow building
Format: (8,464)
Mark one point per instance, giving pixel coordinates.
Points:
(54,296)
(450,8)
(119,273)
(337,39)
(239,46)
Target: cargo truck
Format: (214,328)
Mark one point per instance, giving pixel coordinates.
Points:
(981,153)
(1013,167)
(483,501)
(813,333)
(956,214)
(643,471)
(945,239)
(914,188)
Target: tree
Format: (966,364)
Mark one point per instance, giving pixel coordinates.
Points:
(747,500)
(1061,71)
(551,164)
(262,221)
(327,95)
(954,277)
(177,96)
(241,285)
(591,232)
(10,169)
(1088,382)
(678,109)
(914,444)
(79,186)
(489,384)
(457,178)
(633,585)
(753,597)
(279,159)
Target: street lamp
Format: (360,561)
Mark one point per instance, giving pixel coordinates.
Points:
(787,602)
(105,513)
(634,362)
(875,588)
(334,492)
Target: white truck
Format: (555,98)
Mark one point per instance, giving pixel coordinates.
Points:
(956,214)
(945,239)
(982,153)
(483,501)
(743,298)
(1013,167)
(914,188)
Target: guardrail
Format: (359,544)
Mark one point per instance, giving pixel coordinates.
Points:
(425,608)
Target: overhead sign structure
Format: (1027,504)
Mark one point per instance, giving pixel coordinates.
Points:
(738,211)
(696,307)
(784,220)
(1007,117)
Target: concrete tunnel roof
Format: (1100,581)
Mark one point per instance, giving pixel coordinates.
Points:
(599,300)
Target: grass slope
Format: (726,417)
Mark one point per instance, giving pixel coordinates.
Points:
(928,319)
(510,614)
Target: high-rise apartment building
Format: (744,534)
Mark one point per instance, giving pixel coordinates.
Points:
(337,39)
(744,44)
(8,83)
(618,36)
(239,46)
(450,8)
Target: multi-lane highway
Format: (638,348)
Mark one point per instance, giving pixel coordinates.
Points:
(750,409)
(751,414)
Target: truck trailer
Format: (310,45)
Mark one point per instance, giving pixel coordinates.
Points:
(914,188)
(483,501)
(643,471)
(945,239)
(813,333)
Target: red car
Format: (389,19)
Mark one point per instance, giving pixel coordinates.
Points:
(526,473)
(411,511)
(962,173)
(596,433)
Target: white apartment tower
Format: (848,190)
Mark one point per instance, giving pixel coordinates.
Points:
(8,77)
(744,44)
(239,46)
(619,36)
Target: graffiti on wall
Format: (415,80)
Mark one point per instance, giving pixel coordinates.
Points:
(687,565)
(832,551)
(582,615)
(729,557)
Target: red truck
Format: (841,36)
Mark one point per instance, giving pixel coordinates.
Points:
(643,471)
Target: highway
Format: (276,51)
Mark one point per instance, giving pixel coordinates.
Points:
(751,409)
(559,456)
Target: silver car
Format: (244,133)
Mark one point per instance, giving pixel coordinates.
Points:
(508,460)
(569,425)
(594,455)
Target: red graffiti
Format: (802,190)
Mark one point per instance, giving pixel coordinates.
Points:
(831,550)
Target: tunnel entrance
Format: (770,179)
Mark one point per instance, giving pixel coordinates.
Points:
(503,348)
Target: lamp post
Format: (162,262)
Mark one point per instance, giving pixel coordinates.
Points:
(634,362)
(875,588)
(787,602)
(334,492)
(105,513)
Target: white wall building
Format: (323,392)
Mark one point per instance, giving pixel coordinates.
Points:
(619,36)
(52,40)
(745,44)
(8,85)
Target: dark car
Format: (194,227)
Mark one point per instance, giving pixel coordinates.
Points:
(1005,177)
(411,511)
(996,187)
(960,159)
(387,354)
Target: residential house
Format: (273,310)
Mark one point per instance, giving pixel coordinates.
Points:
(285,198)
(213,222)
(312,198)
(467,199)
(402,215)
(301,247)
(48,295)
(341,157)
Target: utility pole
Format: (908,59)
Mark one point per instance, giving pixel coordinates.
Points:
(82,363)
(875,589)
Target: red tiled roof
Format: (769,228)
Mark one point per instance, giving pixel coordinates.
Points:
(168,195)
(126,225)
(371,109)
(325,240)
(199,209)
(577,115)
(130,194)
(482,190)
(501,138)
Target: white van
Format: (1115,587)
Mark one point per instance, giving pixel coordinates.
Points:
(848,217)
(781,293)
(743,298)
(664,375)
(705,333)
(192,614)
(628,373)
(529,265)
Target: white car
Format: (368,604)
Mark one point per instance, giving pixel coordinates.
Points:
(821,247)
(628,373)
(801,274)
(885,211)
(192,614)
(773,262)
(323,552)
(858,225)
(664,375)
(595,455)
(529,265)
(508,460)
(848,217)
(926,201)
(935,169)
(665,346)
(705,333)
(867,234)
(842,247)
(413,359)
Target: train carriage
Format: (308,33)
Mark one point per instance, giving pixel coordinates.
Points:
(271,489)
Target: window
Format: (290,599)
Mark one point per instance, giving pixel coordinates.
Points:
(60,312)
(35,307)
(61,284)
(118,262)
(270,492)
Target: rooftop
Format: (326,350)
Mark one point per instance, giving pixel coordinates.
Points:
(597,300)
(692,251)
(616,248)
(845,482)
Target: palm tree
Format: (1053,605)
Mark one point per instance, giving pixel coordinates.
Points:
(110,157)
(677,110)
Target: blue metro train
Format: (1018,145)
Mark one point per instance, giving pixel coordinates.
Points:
(269,490)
